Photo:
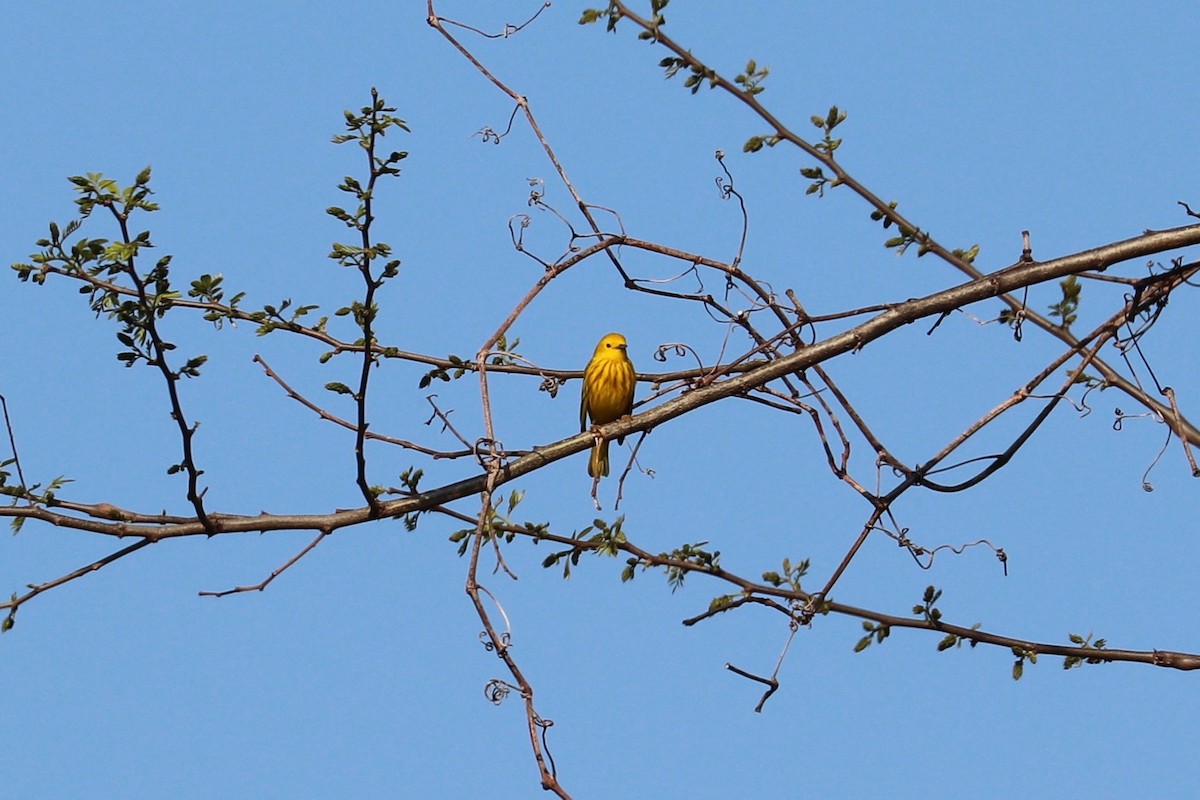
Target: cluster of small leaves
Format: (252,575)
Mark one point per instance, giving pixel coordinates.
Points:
(96,190)
(101,261)
(698,73)
(208,289)
(751,79)
(137,315)
(32,494)
(1022,655)
(498,524)
(756,143)
(366,128)
(723,601)
(876,633)
(1066,308)
(372,121)
(657,20)
(89,257)
(827,145)
(1070,662)
(926,608)
(908,237)
(348,255)
(506,356)
(791,575)
(613,15)
(954,640)
(593,15)
(819,180)
(834,117)
(272,318)
(606,540)
(82,252)
(409,480)
(969,255)
(689,554)
(506,352)
(362,313)
(885,217)
(460,368)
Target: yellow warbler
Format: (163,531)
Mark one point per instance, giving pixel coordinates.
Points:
(608,384)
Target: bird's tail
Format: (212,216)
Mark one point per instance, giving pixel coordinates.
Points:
(598,463)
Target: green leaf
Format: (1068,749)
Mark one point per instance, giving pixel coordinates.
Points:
(721,601)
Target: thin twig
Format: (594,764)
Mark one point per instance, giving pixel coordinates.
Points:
(275,573)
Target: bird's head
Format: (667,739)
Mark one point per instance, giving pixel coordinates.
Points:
(611,342)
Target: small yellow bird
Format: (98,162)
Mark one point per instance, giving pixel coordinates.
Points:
(608,384)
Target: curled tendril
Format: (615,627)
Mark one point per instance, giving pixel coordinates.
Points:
(537,190)
(1121,416)
(496,691)
(679,350)
(803,612)
(546,725)
(1147,486)
(1084,408)
(518,222)
(726,189)
(488,133)
(489,645)
(488,451)
(919,551)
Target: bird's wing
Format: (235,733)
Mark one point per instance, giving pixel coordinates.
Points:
(583,404)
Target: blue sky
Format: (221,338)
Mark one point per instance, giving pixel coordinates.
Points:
(358,673)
